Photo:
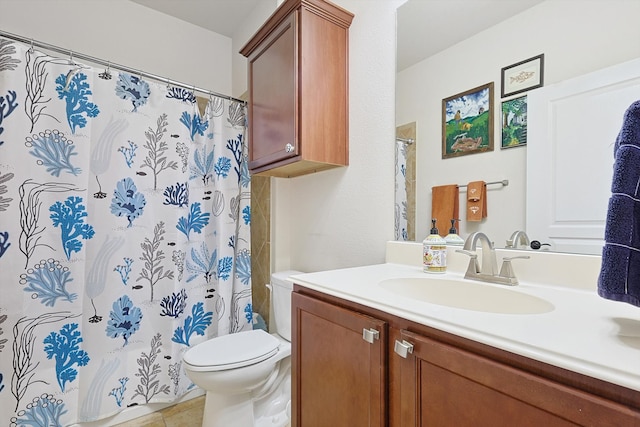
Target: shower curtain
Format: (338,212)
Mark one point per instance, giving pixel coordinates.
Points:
(401,225)
(124,236)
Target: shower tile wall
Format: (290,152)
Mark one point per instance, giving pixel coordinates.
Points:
(260,243)
(260,240)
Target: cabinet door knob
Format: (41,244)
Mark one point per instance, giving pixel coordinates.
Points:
(289,148)
(403,348)
(370,335)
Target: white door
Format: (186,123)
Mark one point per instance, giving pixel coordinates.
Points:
(572,128)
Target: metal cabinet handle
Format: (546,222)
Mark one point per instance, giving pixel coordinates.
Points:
(403,349)
(289,148)
(370,335)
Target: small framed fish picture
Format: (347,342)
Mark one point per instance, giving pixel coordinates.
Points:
(467,122)
(523,76)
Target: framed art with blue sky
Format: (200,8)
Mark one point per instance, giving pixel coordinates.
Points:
(467,122)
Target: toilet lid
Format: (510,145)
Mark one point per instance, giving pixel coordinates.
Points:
(233,350)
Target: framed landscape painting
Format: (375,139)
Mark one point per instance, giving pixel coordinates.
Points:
(467,122)
(514,122)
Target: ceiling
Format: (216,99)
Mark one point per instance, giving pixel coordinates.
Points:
(220,16)
(425,27)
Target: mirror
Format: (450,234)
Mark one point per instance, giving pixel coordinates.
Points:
(446,48)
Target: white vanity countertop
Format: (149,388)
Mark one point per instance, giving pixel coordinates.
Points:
(584,333)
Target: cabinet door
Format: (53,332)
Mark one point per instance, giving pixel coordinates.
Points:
(272,86)
(338,377)
(445,386)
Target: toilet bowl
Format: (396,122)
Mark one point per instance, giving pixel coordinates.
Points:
(247,375)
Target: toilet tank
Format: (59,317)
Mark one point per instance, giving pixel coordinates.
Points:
(281,289)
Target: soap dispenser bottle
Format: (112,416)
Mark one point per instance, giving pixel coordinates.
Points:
(434,251)
(452,239)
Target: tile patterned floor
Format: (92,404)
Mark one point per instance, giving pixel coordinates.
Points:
(186,414)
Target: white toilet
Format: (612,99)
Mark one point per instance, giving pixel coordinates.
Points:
(247,375)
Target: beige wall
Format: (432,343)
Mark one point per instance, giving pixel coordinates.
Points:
(344,216)
(125,33)
(241,36)
(576,36)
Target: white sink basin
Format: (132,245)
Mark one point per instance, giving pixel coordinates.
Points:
(468,295)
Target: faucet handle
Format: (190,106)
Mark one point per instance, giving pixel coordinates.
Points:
(518,237)
(473,267)
(473,255)
(509,258)
(507,268)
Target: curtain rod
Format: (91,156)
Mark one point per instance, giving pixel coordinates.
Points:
(108,64)
(408,141)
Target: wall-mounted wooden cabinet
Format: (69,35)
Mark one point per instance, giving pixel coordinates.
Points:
(298,90)
(410,375)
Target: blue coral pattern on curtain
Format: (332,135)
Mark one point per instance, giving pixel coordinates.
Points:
(124,236)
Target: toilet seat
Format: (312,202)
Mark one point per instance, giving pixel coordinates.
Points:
(232,351)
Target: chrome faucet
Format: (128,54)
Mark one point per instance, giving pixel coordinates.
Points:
(489,265)
(489,270)
(518,237)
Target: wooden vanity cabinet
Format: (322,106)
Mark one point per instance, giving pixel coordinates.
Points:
(298,90)
(445,380)
(338,374)
(454,387)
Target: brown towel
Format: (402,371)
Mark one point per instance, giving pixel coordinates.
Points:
(445,205)
(476,201)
